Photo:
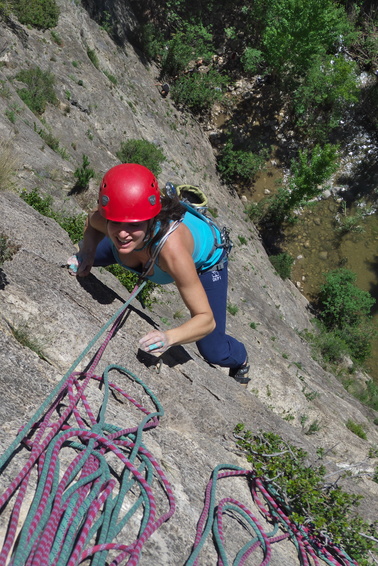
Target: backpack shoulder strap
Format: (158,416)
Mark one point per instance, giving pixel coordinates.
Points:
(149,265)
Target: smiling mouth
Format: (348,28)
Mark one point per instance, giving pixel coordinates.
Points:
(123,242)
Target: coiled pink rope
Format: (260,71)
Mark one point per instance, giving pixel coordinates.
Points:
(76,502)
(309,546)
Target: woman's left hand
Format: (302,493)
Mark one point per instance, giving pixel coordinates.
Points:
(155,342)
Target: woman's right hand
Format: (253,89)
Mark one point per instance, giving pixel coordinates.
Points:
(85,264)
(80,264)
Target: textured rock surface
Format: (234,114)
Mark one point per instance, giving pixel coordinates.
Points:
(62,315)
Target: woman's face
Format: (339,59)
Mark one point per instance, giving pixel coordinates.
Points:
(127,236)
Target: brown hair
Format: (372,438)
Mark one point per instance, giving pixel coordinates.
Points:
(171,210)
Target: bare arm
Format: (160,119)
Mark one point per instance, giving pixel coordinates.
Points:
(95,230)
(176,259)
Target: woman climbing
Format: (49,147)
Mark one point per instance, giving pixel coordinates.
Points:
(157,236)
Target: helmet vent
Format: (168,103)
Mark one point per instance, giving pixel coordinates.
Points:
(152,200)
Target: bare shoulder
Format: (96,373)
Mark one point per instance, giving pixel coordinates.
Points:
(181,240)
(177,250)
(97,221)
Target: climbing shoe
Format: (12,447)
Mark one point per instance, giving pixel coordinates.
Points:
(240,374)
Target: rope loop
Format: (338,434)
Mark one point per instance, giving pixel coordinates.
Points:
(310,548)
(85,483)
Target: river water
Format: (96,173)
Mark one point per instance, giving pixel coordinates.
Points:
(317,246)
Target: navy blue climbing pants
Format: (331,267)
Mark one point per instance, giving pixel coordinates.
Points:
(217,348)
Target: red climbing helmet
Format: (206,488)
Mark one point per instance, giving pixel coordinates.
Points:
(129,193)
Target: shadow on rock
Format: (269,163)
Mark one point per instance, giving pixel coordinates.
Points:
(3,280)
(98,291)
(175,356)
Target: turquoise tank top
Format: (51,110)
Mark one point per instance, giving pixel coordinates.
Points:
(203,238)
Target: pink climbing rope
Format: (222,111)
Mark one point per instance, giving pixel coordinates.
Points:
(310,547)
(60,499)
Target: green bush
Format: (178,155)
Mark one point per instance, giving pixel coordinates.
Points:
(142,152)
(320,100)
(56,38)
(72,224)
(41,14)
(199,91)
(191,43)
(239,165)
(39,91)
(342,303)
(308,173)
(282,263)
(93,58)
(129,280)
(83,174)
(356,428)
(111,77)
(359,339)
(307,494)
(106,22)
(251,60)
(4,8)
(351,224)
(297,31)
(150,40)
(330,345)
(345,311)
(256,211)
(53,143)
(7,249)
(232,309)
(39,203)
(369,396)
(23,336)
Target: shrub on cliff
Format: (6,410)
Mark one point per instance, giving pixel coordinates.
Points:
(142,152)
(190,43)
(307,494)
(41,14)
(39,89)
(345,310)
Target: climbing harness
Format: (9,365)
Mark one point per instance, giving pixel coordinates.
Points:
(81,512)
(308,545)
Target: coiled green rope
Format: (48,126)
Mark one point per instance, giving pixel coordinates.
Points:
(80,510)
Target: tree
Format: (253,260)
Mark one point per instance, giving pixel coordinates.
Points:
(296,31)
(345,312)
(308,173)
(342,303)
